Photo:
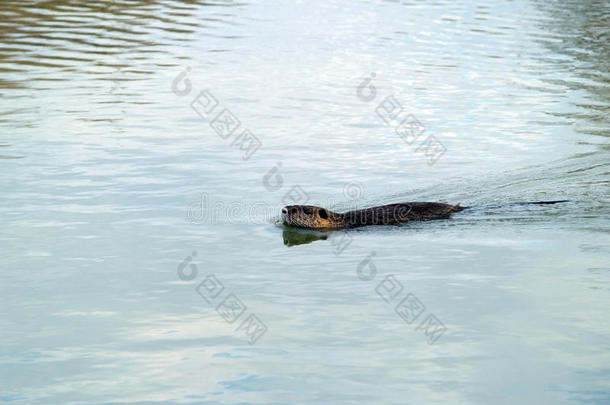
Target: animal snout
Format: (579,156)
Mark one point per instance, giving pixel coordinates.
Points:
(284,211)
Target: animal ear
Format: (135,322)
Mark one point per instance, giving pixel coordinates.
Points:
(322,213)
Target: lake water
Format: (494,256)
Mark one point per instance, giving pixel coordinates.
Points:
(141,259)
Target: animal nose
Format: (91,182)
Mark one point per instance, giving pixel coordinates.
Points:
(284,211)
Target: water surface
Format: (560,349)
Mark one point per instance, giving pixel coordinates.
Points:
(110,180)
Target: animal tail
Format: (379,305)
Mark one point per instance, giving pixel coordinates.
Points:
(517,203)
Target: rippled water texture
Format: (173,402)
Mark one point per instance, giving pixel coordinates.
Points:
(140,258)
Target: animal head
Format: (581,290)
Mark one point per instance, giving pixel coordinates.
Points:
(309,216)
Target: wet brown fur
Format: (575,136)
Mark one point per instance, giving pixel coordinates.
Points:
(310,216)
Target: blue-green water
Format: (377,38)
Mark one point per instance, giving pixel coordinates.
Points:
(115,169)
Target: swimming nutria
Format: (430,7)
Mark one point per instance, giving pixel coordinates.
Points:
(312,217)
(309,216)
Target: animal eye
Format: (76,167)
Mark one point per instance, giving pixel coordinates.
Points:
(323,214)
(293,210)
